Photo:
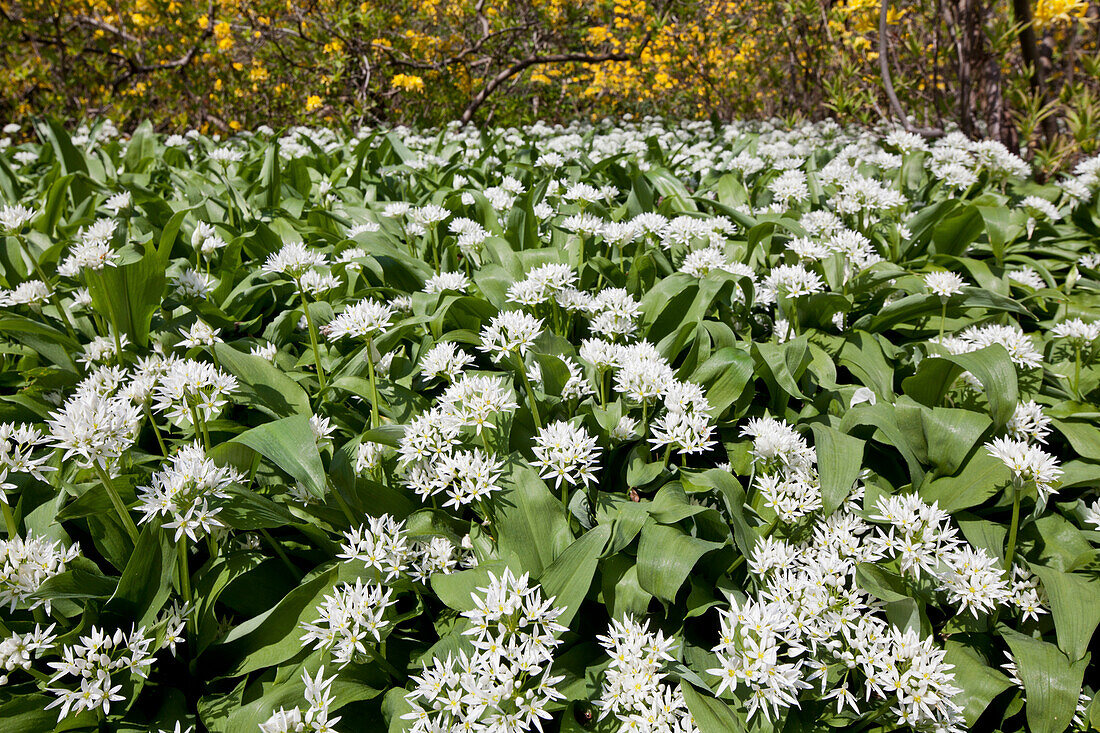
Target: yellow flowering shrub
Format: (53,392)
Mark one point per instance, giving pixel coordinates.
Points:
(274,61)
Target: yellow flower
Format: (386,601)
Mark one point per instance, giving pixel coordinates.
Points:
(407,82)
(1059,11)
(314,102)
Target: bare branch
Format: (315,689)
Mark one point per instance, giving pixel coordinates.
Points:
(887,82)
(522,65)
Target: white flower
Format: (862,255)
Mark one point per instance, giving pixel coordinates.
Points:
(28,562)
(294,260)
(1027,276)
(566,453)
(118,202)
(444,360)
(349,619)
(1077,330)
(1028,423)
(95,429)
(183,490)
(365,319)
(199,334)
(265,350)
(511,332)
(31,292)
(943,283)
(1028,463)
(14,216)
(192,284)
(317,283)
(96,660)
(446,281)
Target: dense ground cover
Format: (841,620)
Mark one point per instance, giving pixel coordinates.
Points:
(651,427)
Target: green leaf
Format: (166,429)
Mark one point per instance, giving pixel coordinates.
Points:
(1051,681)
(979,682)
(724,374)
(991,366)
(263,385)
(570,576)
(665,557)
(531,523)
(146,581)
(982,477)
(82,580)
(839,461)
(711,715)
(290,445)
(958,230)
(273,636)
(1075,606)
(247,510)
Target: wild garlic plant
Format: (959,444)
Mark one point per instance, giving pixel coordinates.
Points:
(624,426)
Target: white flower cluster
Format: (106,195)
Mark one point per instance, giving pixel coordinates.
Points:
(17,446)
(504,683)
(20,651)
(183,489)
(28,562)
(315,718)
(100,663)
(384,545)
(349,619)
(634,689)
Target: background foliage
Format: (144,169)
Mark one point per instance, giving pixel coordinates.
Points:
(1019,72)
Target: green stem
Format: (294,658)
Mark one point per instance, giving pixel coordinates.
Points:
(53,294)
(943,317)
(277,546)
(433,242)
(116,500)
(156,430)
(1010,552)
(391,670)
(200,432)
(312,337)
(373,384)
(1077,370)
(530,392)
(185,586)
(9,521)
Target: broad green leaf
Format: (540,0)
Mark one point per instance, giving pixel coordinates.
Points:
(290,445)
(711,715)
(992,368)
(1075,606)
(570,576)
(147,580)
(531,523)
(665,557)
(979,682)
(1051,681)
(263,384)
(839,461)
